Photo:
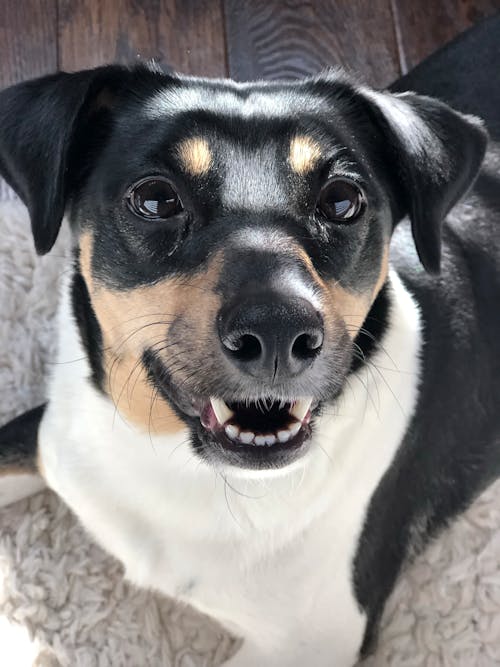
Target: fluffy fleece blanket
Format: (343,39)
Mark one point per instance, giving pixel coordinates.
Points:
(64,602)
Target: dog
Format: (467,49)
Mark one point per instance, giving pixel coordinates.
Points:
(270,406)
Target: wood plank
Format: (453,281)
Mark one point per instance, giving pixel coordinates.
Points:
(426,25)
(28,46)
(28,37)
(185,34)
(290,38)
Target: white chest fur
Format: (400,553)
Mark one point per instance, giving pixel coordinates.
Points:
(270,554)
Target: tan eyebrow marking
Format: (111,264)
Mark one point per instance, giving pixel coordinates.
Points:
(195,155)
(304,153)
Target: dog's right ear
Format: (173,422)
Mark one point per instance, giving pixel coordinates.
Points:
(435,154)
(40,124)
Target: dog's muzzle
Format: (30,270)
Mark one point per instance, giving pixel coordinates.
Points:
(257,405)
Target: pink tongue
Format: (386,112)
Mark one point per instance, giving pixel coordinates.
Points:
(208,418)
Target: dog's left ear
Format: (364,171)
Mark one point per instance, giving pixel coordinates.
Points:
(435,154)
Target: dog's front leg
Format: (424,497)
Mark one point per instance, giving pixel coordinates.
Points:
(307,634)
(295,609)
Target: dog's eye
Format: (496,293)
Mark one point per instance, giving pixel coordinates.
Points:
(340,200)
(154,198)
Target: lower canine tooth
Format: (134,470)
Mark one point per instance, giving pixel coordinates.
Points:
(232,431)
(295,428)
(284,436)
(247,437)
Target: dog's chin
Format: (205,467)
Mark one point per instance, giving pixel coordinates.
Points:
(262,434)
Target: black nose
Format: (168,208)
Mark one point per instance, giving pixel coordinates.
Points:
(271,336)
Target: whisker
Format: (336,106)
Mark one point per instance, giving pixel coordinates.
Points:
(228,504)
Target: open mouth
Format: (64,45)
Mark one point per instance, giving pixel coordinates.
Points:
(263,423)
(251,433)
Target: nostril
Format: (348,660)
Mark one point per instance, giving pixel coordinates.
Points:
(245,347)
(307,345)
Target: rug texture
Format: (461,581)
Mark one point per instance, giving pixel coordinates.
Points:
(64,602)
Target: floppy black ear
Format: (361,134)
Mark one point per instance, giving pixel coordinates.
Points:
(435,155)
(40,122)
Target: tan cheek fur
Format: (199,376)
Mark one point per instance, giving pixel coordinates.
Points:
(195,156)
(351,307)
(133,320)
(304,153)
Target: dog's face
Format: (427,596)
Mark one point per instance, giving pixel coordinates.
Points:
(231,240)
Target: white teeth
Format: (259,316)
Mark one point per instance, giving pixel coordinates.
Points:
(222,412)
(301,408)
(261,440)
(247,437)
(232,431)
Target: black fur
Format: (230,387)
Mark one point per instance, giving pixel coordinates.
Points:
(451,450)
(372,332)
(88,326)
(19,442)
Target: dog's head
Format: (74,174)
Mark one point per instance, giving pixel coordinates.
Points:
(231,239)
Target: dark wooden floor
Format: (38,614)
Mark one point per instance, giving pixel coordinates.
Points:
(247,39)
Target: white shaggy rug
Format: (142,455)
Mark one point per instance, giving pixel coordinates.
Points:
(63,601)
